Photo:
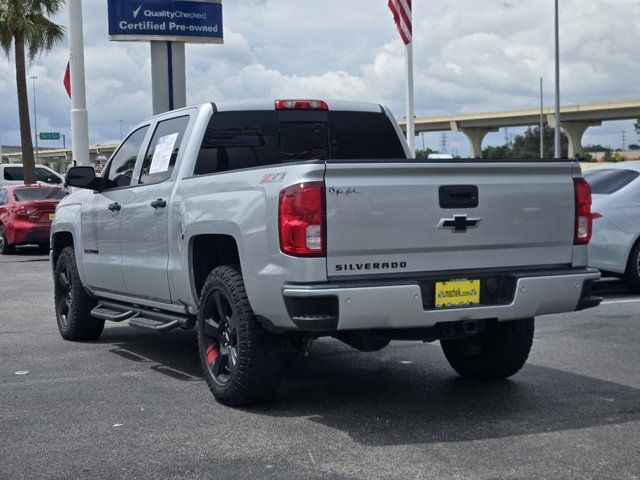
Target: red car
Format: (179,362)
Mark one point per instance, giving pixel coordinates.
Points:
(26,213)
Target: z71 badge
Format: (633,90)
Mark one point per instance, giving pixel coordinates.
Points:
(273,177)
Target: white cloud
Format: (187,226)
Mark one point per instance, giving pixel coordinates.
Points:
(470,56)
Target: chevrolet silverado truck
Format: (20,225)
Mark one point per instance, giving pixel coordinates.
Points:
(264,227)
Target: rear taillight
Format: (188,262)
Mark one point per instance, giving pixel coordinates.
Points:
(583,219)
(20,212)
(301,105)
(301,220)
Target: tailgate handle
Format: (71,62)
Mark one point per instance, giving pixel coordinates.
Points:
(458,196)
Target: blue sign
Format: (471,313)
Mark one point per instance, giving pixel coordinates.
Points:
(166,20)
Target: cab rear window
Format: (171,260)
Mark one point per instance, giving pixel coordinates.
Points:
(250,139)
(30,194)
(606,182)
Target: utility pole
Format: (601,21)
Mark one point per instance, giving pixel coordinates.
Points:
(541,121)
(35,115)
(557,151)
(624,140)
(79,115)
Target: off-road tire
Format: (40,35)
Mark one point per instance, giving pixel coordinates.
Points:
(5,247)
(632,273)
(498,352)
(255,374)
(73,304)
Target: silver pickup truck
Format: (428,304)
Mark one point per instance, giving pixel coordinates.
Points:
(267,226)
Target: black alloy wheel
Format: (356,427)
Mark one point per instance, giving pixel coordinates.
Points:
(220,337)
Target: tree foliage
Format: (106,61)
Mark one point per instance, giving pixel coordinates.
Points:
(25,27)
(527,145)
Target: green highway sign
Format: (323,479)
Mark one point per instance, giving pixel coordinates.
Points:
(49,135)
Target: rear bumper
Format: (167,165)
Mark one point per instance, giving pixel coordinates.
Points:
(31,233)
(358,306)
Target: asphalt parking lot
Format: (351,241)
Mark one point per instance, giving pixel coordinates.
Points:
(134,405)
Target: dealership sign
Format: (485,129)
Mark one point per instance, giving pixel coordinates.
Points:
(166,20)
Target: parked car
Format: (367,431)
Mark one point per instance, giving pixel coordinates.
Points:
(267,224)
(26,213)
(615,245)
(13,174)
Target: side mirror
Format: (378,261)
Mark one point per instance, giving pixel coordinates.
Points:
(82,177)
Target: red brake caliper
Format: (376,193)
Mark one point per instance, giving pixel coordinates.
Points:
(211,352)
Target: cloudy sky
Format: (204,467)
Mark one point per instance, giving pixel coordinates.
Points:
(470,56)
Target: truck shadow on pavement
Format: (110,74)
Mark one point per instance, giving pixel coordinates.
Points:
(407,394)
(385,401)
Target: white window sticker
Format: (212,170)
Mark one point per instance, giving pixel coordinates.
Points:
(162,154)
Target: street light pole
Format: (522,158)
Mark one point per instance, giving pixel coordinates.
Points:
(541,120)
(35,114)
(557,151)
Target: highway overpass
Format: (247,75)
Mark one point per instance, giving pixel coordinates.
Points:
(60,158)
(574,120)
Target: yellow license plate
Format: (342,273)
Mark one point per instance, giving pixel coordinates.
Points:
(51,215)
(457,293)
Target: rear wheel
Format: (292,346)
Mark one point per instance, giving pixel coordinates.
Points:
(73,304)
(5,247)
(242,362)
(500,351)
(632,274)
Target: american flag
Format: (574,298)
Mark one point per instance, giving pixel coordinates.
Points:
(401,10)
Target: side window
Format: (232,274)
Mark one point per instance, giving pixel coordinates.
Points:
(3,197)
(235,140)
(120,169)
(44,175)
(162,152)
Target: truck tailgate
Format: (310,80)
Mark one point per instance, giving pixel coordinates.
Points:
(394,218)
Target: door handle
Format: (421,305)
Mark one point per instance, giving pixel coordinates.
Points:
(115,207)
(159,203)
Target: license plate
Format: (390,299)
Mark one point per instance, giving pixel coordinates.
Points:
(51,215)
(457,293)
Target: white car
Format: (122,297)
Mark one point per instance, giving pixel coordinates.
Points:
(615,245)
(13,174)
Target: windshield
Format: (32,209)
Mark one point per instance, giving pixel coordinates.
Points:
(29,194)
(606,182)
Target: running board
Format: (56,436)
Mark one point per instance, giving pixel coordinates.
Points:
(140,317)
(155,325)
(104,313)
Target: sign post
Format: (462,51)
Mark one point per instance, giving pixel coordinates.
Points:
(167,26)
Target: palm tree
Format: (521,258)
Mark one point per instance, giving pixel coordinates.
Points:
(24,24)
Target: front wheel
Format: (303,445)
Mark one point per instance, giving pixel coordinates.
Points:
(500,351)
(241,361)
(73,304)
(5,247)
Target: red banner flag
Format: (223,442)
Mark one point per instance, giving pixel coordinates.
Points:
(67,80)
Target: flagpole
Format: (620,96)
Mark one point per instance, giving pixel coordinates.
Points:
(79,116)
(411,127)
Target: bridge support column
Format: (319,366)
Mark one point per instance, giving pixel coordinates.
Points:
(475,135)
(574,132)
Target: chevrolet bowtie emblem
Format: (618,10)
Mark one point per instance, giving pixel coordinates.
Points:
(459,223)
